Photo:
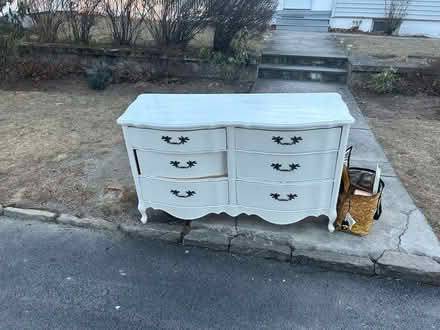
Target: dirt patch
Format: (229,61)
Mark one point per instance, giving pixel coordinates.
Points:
(62,149)
(409,130)
(385,46)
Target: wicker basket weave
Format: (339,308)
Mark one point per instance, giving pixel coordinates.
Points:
(363,209)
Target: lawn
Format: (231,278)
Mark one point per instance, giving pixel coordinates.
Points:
(62,149)
(386,46)
(409,130)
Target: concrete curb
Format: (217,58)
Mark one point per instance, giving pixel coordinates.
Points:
(418,268)
(153,231)
(92,223)
(259,247)
(335,261)
(209,239)
(392,263)
(29,214)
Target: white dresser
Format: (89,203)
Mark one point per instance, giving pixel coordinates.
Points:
(278,156)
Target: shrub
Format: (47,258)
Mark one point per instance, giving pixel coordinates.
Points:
(232,16)
(230,63)
(8,43)
(395,12)
(46,17)
(82,17)
(125,18)
(426,81)
(176,22)
(37,70)
(99,76)
(385,82)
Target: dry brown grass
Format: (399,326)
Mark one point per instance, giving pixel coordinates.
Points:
(61,147)
(367,45)
(409,130)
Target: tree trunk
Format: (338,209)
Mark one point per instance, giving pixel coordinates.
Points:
(222,42)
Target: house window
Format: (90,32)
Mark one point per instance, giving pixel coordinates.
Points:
(378,25)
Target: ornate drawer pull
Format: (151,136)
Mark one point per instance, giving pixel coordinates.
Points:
(182,139)
(189,193)
(292,167)
(190,163)
(290,197)
(294,140)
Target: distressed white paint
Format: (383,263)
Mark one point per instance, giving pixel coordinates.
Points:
(190,165)
(311,166)
(208,192)
(311,140)
(246,122)
(197,140)
(265,111)
(314,195)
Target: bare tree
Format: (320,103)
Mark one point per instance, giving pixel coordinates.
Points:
(46,17)
(126,18)
(395,12)
(82,17)
(232,16)
(176,22)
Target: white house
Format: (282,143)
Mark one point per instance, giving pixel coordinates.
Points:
(423,17)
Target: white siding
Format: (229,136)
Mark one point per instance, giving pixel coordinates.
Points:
(322,5)
(418,9)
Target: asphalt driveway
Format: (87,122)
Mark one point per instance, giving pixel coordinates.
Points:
(59,277)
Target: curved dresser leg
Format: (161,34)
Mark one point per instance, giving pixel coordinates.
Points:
(331,220)
(143,211)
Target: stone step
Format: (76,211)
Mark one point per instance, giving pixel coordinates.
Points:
(302,73)
(303,22)
(305,60)
(301,28)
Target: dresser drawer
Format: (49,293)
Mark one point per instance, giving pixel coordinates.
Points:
(177,141)
(285,197)
(285,168)
(185,192)
(288,141)
(181,165)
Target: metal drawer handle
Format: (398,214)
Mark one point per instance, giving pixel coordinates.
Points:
(290,197)
(294,140)
(182,139)
(189,193)
(278,167)
(190,163)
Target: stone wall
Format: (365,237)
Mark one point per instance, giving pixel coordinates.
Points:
(135,62)
(361,69)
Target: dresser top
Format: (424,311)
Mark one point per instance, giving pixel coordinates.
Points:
(197,111)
